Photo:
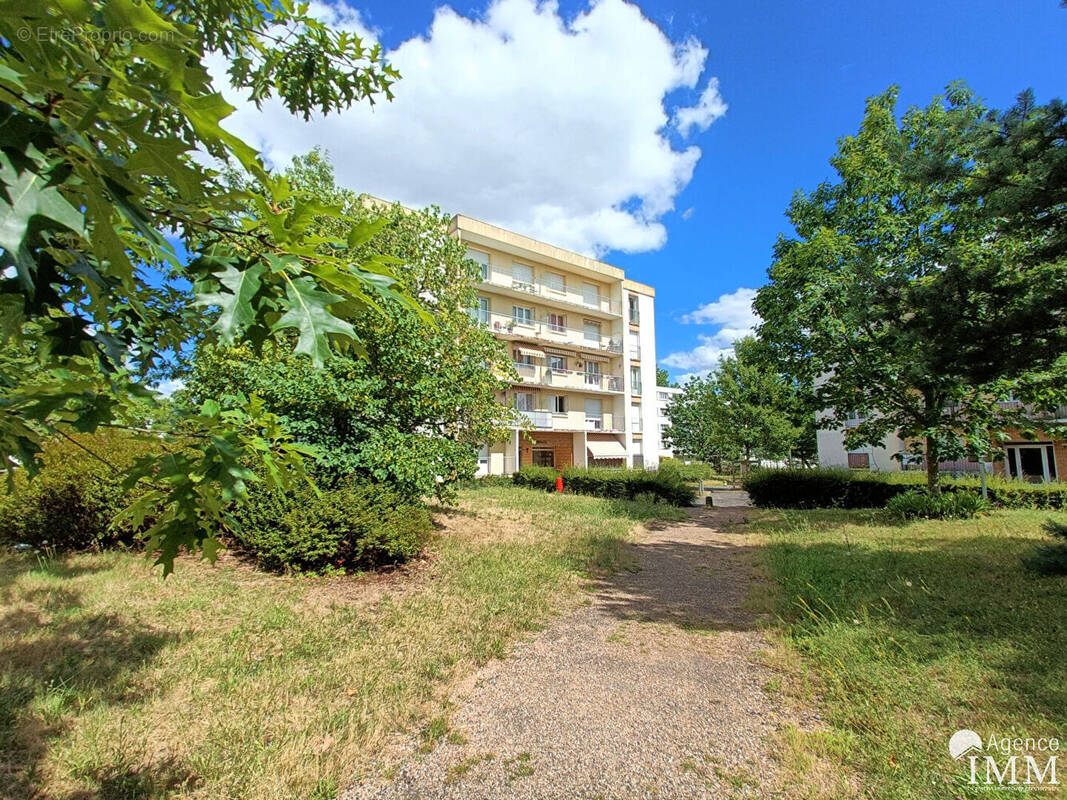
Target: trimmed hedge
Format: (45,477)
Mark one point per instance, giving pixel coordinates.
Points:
(624,484)
(842,488)
(354,525)
(72,503)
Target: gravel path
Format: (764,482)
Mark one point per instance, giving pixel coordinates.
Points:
(654,690)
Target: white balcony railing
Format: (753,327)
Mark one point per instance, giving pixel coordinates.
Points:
(568,378)
(508,325)
(567,294)
(594,423)
(537,419)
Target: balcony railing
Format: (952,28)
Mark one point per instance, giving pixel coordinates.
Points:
(594,423)
(537,419)
(570,421)
(566,294)
(568,378)
(506,324)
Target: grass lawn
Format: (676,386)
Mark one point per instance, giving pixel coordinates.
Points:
(228,682)
(898,635)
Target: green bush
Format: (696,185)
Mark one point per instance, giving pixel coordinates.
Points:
(625,484)
(843,488)
(915,504)
(1050,559)
(354,525)
(73,502)
(696,471)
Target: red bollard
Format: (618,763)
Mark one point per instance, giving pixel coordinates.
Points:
(559,483)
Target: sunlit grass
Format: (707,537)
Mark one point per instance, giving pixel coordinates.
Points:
(901,634)
(227,682)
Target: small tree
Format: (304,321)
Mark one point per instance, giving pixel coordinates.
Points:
(663,378)
(739,413)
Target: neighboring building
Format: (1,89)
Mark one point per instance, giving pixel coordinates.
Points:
(582,337)
(1039,460)
(664,397)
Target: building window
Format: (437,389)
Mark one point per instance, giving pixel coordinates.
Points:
(480,313)
(663,396)
(557,322)
(592,373)
(635,313)
(482,260)
(522,315)
(859,460)
(524,401)
(556,282)
(557,404)
(592,332)
(635,380)
(557,363)
(524,360)
(522,276)
(544,457)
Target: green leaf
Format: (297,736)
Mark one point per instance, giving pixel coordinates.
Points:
(237,312)
(309,314)
(27,195)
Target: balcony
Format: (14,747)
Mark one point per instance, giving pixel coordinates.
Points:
(570,421)
(568,379)
(527,328)
(572,296)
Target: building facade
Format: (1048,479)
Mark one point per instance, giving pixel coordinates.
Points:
(582,338)
(664,397)
(1041,459)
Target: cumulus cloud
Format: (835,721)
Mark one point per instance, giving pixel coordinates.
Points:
(734,317)
(169,387)
(710,107)
(557,128)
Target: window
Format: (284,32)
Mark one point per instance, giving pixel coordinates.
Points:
(555,282)
(524,401)
(522,315)
(859,460)
(480,313)
(592,373)
(522,359)
(590,295)
(557,363)
(557,404)
(663,396)
(522,275)
(557,323)
(592,332)
(635,379)
(635,312)
(635,345)
(594,419)
(544,457)
(482,259)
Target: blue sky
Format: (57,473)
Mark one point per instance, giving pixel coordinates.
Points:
(692,209)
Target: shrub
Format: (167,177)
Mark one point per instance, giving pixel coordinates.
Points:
(916,504)
(625,484)
(1050,559)
(72,503)
(350,526)
(532,477)
(696,471)
(843,488)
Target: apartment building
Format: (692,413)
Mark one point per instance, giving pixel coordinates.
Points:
(582,338)
(664,397)
(1041,459)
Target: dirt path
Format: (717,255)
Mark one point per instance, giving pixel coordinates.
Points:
(654,690)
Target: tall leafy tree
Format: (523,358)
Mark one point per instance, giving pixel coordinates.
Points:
(413,408)
(110,121)
(663,378)
(898,297)
(739,413)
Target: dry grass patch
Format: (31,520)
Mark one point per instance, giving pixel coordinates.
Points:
(227,682)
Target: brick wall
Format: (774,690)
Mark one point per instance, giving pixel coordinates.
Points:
(562,445)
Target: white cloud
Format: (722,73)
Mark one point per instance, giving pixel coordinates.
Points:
(169,387)
(556,128)
(735,318)
(710,107)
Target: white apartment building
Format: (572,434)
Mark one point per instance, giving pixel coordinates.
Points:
(583,341)
(664,397)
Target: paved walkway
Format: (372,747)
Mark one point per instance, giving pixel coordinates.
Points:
(654,690)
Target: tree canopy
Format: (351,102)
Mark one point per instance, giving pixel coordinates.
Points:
(911,291)
(109,167)
(739,413)
(413,408)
